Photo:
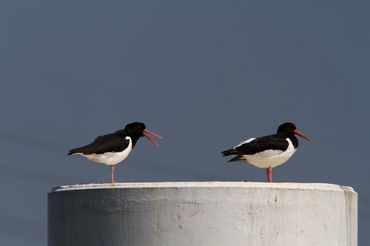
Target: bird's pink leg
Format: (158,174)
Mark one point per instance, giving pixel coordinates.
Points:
(269,174)
(112,181)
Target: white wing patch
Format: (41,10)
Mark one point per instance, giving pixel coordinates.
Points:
(244,142)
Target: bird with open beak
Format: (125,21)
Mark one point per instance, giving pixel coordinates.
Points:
(113,148)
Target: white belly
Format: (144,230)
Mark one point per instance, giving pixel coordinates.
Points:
(271,158)
(111,158)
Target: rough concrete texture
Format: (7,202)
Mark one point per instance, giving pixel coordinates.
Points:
(202,213)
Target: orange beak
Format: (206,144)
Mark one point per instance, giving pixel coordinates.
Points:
(153,134)
(302,135)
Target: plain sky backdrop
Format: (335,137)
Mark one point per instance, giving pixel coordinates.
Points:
(204,74)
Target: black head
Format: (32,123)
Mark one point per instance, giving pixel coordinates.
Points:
(289,129)
(135,129)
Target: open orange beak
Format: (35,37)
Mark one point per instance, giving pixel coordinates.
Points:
(153,134)
(302,135)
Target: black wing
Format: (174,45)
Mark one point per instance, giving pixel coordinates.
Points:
(272,142)
(102,144)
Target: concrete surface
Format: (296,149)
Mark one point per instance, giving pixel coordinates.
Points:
(202,213)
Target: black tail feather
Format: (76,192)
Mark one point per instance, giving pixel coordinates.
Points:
(229,152)
(72,151)
(237,158)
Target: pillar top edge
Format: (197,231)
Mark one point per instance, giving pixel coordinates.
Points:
(208,184)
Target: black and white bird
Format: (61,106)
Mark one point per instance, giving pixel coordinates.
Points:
(268,151)
(113,148)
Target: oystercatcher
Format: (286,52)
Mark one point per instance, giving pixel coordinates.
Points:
(268,151)
(113,148)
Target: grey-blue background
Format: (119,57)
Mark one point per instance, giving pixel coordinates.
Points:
(204,74)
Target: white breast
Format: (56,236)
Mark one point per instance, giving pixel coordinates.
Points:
(111,158)
(271,158)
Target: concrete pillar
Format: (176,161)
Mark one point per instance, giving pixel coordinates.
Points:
(202,213)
